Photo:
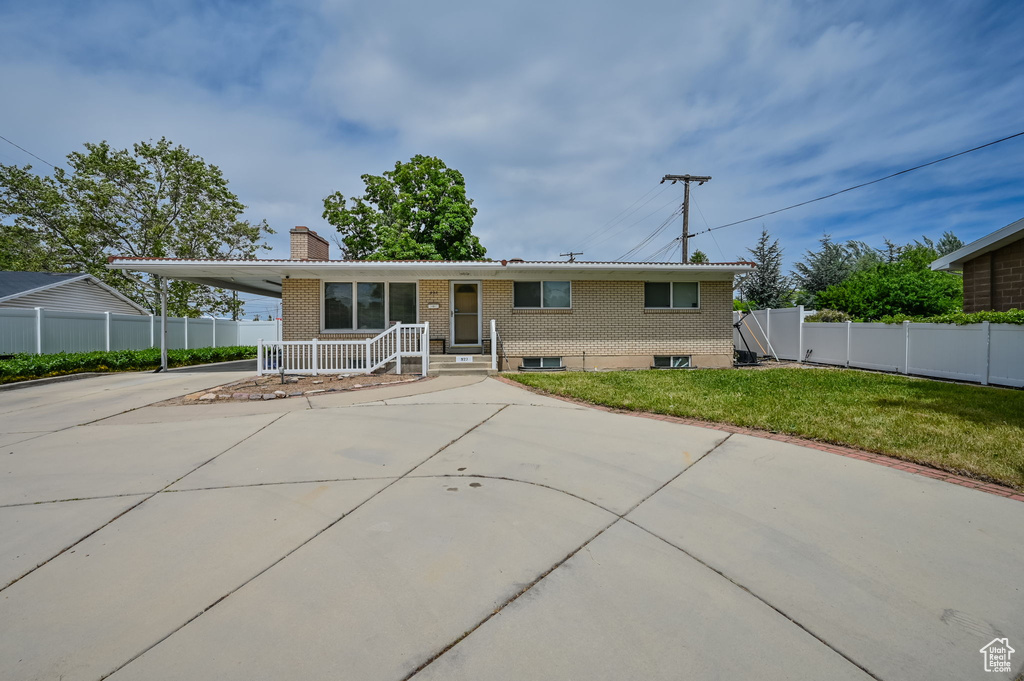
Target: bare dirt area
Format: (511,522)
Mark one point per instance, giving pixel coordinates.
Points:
(271,388)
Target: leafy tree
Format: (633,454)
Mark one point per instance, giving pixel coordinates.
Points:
(418,211)
(699,256)
(156,200)
(907,286)
(821,269)
(766,286)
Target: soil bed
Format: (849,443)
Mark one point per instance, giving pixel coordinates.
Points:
(271,387)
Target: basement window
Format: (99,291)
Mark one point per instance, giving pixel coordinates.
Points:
(672,362)
(542,363)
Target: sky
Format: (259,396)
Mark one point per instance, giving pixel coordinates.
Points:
(562,116)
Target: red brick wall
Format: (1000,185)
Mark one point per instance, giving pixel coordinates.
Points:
(995,281)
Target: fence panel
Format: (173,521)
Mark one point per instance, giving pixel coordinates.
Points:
(129,332)
(200,333)
(250,332)
(783,327)
(73,331)
(878,346)
(1006,355)
(227,332)
(948,351)
(17,331)
(826,343)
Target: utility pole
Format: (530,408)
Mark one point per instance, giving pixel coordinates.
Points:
(570,255)
(686,179)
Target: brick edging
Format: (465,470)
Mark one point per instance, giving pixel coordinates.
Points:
(851,452)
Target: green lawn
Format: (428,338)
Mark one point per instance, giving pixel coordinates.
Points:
(972,430)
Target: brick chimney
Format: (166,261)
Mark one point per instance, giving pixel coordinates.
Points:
(308,245)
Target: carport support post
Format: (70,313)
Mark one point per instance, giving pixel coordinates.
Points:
(163,323)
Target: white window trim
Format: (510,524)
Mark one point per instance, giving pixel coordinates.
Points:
(541,282)
(355,307)
(671,295)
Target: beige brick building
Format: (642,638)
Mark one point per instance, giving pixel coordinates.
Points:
(577,315)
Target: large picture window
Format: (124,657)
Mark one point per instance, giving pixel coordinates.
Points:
(544,294)
(676,294)
(368,305)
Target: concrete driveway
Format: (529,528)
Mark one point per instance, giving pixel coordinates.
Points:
(461,528)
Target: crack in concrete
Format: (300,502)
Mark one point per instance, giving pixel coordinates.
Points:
(296,548)
(558,564)
(778,610)
(136,505)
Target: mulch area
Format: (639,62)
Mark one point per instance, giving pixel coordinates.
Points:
(862,455)
(271,387)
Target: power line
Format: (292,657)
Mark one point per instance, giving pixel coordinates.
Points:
(657,230)
(27,152)
(629,210)
(863,184)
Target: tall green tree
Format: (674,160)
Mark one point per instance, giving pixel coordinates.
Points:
(699,256)
(828,266)
(154,200)
(766,286)
(418,211)
(906,286)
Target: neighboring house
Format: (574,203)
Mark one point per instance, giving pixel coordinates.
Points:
(993,268)
(65,292)
(573,314)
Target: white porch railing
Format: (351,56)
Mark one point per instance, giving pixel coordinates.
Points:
(347,356)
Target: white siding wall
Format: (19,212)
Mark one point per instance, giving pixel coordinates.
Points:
(78,296)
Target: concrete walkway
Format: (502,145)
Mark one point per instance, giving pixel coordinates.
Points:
(461,528)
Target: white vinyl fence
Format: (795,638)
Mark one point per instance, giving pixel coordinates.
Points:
(981,353)
(42,331)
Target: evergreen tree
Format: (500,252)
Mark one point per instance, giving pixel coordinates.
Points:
(699,256)
(766,286)
(821,269)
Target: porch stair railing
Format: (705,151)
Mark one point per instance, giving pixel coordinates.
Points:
(347,356)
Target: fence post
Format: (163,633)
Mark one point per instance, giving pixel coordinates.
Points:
(316,357)
(259,357)
(988,352)
(152,331)
(906,347)
(39,330)
(213,341)
(849,329)
(106,338)
(186,332)
(768,325)
(800,334)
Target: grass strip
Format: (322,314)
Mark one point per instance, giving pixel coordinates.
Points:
(970,430)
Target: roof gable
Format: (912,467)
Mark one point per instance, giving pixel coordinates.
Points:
(986,244)
(19,283)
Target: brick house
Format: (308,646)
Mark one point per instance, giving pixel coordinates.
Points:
(548,314)
(993,268)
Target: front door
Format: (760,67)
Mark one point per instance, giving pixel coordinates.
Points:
(465,305)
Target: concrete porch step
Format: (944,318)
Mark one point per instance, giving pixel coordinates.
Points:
(452,370)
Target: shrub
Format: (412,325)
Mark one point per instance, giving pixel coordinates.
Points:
(828,316)
(1013,316)
(23,367)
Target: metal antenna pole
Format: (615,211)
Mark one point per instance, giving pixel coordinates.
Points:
(686,180)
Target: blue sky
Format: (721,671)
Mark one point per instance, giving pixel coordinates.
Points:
(560,114)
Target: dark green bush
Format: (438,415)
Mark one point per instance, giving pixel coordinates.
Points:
(23,367)
(1011,317)
(828,316)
